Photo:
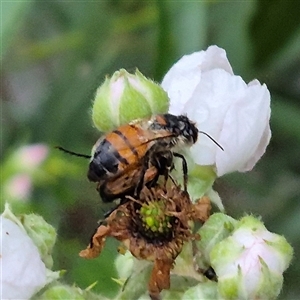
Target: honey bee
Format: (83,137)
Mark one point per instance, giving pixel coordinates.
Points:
(125,154)
(137,153)
(144,143)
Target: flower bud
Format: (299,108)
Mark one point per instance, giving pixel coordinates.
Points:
(26,159)
(31,156)
(61,291)
(18,187)
(21,169)
(125,97)
(249,263)
(42,234)
(207,290)
(124,265)
(218,227)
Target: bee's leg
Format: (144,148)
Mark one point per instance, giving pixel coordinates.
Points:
(184,169)
(167,166)
(163,162)
(173,180)
(140,183)
(166,176)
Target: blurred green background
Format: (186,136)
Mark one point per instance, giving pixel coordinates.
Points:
(55,55)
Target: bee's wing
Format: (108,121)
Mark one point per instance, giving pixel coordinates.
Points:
(127,179)
(132,141)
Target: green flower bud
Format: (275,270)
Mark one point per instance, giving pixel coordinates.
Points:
(204,177)
(249,263)
(136,284)
(184,265)
(124,265)
(42,234)
(62,292)
(201,179)
(218,227)
(207,290)
(125,97)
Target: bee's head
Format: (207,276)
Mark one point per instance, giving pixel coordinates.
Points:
(183,127)
(188,129)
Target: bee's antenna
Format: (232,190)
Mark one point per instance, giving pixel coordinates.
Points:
(72,153)
(212,140)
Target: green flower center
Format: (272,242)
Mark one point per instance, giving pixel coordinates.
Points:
(154,222)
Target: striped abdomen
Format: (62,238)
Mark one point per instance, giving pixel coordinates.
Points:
(118,150)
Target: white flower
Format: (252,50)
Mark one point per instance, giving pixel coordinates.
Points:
(249,263)
(22,271)
(203,86)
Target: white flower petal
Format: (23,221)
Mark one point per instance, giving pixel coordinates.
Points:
(244,135)
(182,79)
(23,272)
(235,114)
(209,106)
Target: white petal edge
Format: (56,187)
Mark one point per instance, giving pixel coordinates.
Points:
(23,272)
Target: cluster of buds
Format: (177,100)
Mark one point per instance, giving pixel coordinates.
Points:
(188,252)
(242,259)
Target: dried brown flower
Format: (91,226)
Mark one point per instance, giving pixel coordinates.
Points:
(153,227)
(201,209)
